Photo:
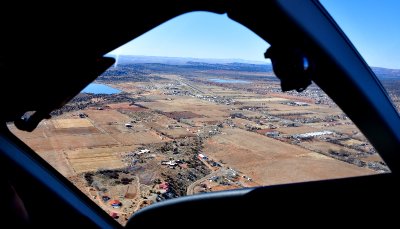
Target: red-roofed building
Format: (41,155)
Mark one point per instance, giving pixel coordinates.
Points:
(164,186)
(202,156)
(115,203)
(114,215)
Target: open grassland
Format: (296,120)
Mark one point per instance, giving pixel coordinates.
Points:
(269,161)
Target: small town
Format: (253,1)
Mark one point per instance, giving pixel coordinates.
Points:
(195,129)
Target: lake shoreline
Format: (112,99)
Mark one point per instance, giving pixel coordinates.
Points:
(97,88)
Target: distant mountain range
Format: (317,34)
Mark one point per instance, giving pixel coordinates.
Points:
(386,73)
(382,73)
(125,59)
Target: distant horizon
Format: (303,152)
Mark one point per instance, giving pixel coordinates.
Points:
(267,61)
(237,60)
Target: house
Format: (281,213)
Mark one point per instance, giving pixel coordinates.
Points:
(301,104)
(143,151)
(164,186)
(82,115)
(202,156)
(114,215)
(115,203)
(213,178)
(272,134)
(313,134)
(170,163)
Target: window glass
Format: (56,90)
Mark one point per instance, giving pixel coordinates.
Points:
(373,28)
(152,128)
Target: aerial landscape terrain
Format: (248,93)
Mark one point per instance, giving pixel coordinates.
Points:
(171,129)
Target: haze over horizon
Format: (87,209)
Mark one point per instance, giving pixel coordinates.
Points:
(144,58)
(147,58)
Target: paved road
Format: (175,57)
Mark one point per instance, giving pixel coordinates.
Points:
(190,188)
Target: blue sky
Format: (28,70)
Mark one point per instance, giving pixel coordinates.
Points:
(372,25)
(199,35)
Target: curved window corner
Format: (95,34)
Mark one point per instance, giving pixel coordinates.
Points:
(373,29)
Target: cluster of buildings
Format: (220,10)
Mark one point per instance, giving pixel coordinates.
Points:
(293,103)
(313,134)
